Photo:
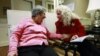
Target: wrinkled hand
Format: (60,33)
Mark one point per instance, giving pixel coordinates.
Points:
(12,54)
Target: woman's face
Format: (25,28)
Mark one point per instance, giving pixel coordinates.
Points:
(59,15)
(39,18)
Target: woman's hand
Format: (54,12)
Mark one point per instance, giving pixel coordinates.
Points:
(74,37)
(12,54)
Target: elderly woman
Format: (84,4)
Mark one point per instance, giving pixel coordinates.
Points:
(68,24)
(30,37)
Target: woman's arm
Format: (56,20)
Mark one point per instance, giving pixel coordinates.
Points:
(80,30)
(14,39)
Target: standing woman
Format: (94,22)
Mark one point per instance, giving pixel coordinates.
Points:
(68,24)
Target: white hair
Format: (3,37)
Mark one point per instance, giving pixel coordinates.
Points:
(68,15)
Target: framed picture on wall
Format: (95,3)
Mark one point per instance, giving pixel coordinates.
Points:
(50,6)
(38,2)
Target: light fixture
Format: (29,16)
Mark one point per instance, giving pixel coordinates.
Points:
(94,10)
(93,5)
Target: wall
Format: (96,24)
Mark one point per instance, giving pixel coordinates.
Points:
(3,35)
(3,6)
(20,5)
(3,21)
(50,21)
(16,5)
(3,32)
(80,9)
(80,6)
(68,1)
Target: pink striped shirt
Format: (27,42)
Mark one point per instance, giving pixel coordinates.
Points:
(29,33)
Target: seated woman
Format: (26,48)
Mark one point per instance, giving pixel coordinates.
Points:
(68,24)
(30,37)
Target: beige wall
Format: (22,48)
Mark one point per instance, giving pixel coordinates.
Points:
(3,6)
(20,5)
(15,4)
(3,35)
(81,7)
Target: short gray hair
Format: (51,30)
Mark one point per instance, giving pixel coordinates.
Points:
(37,10)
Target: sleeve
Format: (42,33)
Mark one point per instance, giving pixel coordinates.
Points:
(53,35)
(80,28)
(15,35)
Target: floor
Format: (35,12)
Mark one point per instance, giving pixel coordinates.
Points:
(3,51)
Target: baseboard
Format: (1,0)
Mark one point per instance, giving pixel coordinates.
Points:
(3,43)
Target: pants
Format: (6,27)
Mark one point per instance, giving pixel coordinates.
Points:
(88,49)
(37,50)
